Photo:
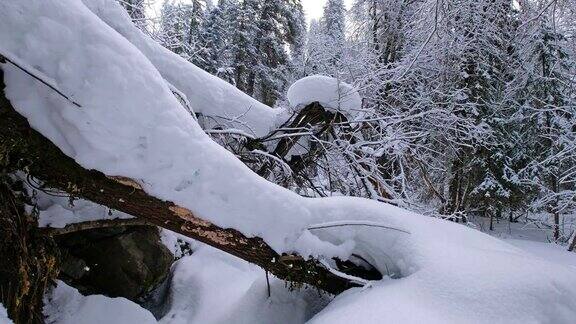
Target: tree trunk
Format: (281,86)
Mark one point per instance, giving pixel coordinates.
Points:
(29,261)
(572,246)
(491,220)
(41,159)
(556,226)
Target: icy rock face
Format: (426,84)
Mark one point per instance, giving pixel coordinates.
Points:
(331,93)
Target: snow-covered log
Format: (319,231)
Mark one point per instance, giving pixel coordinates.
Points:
(30,151)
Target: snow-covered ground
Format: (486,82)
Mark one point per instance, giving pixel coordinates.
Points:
(130,124)
(548,251)
(213,287)
(65,305)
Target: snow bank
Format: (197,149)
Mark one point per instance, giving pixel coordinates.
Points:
(4,316)
(210,280)
(131,125)
(331,93)
(465,286)
(65,305)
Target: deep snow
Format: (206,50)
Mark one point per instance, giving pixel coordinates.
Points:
(130,124)
(211,280)
(65,305)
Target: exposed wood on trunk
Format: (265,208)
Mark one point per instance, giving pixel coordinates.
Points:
(33,153)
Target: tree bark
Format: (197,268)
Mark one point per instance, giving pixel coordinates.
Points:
(30,151)
(28,260)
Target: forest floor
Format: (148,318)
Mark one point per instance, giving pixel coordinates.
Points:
(532,237)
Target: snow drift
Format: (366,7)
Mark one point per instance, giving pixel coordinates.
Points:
(65,305)
(131,125)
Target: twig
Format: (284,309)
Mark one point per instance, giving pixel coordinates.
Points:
(355,223)
(268,283)
(342,275)
(3,59)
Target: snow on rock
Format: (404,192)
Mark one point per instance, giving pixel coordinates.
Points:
(65,305)
(331,93)
(209,95)
(131,125)
(4,316)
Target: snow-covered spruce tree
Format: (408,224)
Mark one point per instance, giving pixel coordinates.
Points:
(315,62)
(212,42)
(230,11)
(333,25)
(473,63)
(244,53)
(546,97)
(267,81)
(326,41)
(175,27)
(296,37)
(180,28)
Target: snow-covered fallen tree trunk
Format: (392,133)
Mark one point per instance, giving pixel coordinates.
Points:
(29,151)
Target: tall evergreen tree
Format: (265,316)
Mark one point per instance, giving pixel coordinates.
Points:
(244,50)
(547,101)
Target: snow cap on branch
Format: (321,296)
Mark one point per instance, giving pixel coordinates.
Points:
(331,93)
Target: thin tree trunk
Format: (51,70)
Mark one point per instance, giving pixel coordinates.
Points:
(491,221)
(556,226)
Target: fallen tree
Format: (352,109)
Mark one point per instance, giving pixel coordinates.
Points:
(25,149)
